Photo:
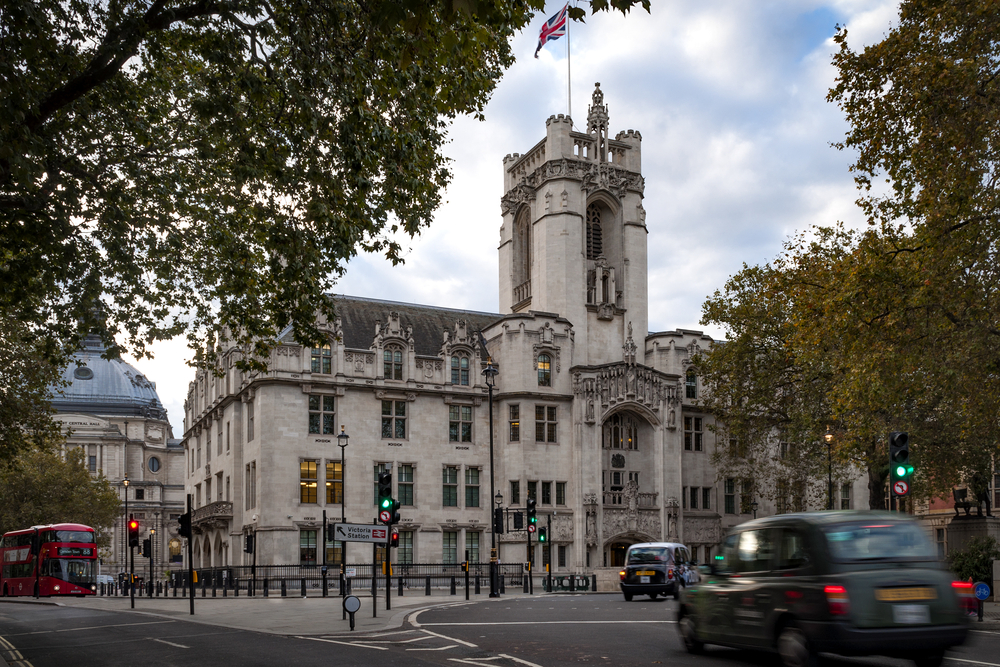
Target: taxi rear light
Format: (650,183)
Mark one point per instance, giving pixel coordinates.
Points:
(966,597)
(837,600)
(670,574)
(622,575)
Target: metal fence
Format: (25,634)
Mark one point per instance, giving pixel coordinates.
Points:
(248,579)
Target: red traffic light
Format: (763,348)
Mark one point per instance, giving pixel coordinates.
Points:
(133,525)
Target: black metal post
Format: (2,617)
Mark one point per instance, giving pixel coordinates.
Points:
(375,576)
(323,555)
(190,560)
(491,373)
(548,548)
(829,473)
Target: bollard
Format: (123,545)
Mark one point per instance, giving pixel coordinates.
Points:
(204,587)
(236,588)
(427,586)
(502,588)
(477,584)
(213,588)
(284,591)
(400,587)
(453,584)
(267,587)
(175,591)
(524,581)
(225,588)
(303,587)
(593,582)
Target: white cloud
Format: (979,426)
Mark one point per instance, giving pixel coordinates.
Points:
(729,97)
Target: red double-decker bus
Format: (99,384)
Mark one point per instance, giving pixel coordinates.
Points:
(60,559)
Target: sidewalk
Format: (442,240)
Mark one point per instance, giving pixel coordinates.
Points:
(290,616)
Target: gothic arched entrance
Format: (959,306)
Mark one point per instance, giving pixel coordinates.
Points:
(615,548)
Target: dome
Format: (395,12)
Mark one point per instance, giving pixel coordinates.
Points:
(106,386)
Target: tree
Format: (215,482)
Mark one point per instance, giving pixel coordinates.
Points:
(896,327)
(26,377)
(208,166)
(975,561)
(42,486)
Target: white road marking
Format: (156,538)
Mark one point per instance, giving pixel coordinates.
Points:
(426,625)
(974,662)
(437,648)
(451,639)
(334,641)
(93,627)
(164,641)
(523,662)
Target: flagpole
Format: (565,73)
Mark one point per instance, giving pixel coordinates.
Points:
(569,72)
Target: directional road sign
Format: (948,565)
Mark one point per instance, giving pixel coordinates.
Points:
(982,590)
(359,532)
(900,488)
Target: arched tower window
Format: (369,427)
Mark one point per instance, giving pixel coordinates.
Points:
(594,232)
(460,369)
(392,363)
(544,370)
(522,255)
(691,385)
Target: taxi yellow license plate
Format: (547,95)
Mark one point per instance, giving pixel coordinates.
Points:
(905,594)
(645,573)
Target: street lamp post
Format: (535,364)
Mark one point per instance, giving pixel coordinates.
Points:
(125,524)
(342,441)
(491,378)
(829,468)
(754,506)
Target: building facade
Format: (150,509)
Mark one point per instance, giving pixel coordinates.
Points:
(112,411)
(594,417)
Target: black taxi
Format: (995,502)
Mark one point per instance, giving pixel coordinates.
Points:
(850,583)
(654,568)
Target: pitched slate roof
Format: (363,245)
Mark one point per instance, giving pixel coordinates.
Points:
(359,316)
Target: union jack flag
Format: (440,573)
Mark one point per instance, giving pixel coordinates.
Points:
(554,28)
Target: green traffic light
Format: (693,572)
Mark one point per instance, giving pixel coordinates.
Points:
(386,503)
(909,470)
(900,471)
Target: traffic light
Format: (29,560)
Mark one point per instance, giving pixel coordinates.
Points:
(899,462)
(394,513)
(133,533)
(518,521)
(147,548)
(394,539)
(185,521)
(385,491)
(532,519)
(498,520)
(543,534)
(248,544)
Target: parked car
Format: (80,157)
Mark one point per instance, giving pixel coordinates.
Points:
(851,583)
(654,568)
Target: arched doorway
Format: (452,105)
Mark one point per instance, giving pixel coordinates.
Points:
(615,548)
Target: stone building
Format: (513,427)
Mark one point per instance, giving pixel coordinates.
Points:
(594,417)
(112,411)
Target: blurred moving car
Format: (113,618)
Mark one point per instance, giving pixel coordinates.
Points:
(654,568)
(850,582)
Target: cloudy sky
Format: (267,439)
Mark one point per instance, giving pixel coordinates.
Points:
(730,99)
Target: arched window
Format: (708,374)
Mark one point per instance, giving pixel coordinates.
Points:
(392,363)
(460,370)
(594,233)
(544,370)
(522,248)
(621,432)
(691,385)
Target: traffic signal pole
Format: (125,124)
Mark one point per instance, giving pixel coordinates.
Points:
(131,574)
(190,560)
(548,547)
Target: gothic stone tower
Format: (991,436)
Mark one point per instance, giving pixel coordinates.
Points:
(576,407)
(573,239)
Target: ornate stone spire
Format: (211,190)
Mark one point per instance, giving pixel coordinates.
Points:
(597,122)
